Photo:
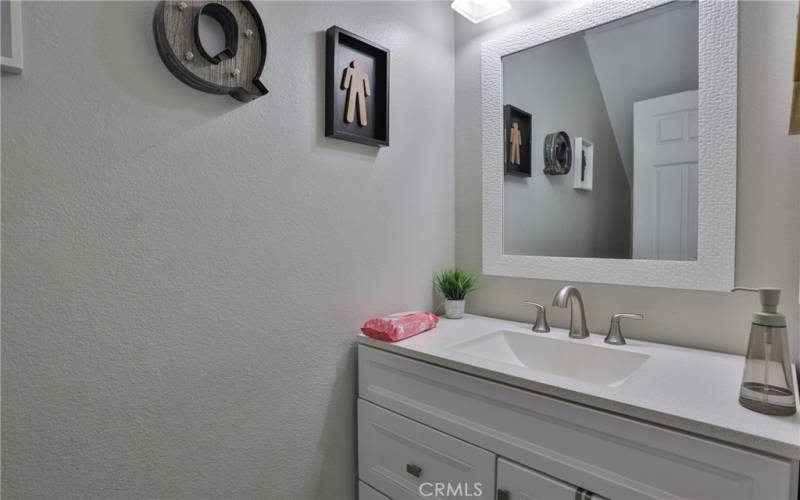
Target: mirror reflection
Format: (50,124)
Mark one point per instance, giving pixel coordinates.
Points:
(600,132)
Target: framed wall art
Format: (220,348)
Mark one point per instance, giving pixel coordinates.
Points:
(517,136)
(583,164)
(356,89)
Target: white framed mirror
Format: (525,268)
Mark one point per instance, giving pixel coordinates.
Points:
(609,145)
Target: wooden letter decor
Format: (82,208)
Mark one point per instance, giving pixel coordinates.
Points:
(236,70)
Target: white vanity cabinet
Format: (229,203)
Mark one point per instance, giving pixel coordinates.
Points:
(459,428)
(367,492)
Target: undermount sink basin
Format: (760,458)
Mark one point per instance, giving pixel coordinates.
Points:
(586,362)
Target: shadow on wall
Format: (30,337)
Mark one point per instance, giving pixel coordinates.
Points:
(137,68)
(341,408)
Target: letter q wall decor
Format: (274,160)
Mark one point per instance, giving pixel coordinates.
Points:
(356,89)
(234,70)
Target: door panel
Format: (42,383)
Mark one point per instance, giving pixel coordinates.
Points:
(367,492)
(665,178)
(515,482)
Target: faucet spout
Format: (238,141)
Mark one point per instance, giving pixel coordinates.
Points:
(577,323)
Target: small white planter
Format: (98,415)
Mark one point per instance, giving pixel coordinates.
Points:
(454,309)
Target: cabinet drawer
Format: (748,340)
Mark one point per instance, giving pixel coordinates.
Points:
(613,456)
(515,482)
(404,459)
(367,492)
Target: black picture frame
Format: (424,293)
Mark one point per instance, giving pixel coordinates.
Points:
(524,120)
(342,47)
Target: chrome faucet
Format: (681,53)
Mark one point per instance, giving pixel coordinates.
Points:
(577,322)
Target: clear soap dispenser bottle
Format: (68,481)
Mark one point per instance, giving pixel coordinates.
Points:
(767,384)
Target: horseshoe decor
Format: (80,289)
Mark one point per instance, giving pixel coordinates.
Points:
(236,70)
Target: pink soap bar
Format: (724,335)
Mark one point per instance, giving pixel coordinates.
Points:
(399,326)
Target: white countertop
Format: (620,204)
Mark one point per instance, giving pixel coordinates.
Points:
(686,389)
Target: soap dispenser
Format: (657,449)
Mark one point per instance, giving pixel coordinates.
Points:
(767,384)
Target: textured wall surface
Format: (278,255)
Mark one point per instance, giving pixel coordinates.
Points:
(183,274)
(767,216)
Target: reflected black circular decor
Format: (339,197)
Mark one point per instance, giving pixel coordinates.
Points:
(557,153)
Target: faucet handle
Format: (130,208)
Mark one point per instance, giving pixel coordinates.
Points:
(615,331)
(541,318)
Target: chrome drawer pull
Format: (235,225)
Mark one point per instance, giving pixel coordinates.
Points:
(414,470)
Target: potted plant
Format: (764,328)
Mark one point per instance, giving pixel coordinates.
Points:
(454,284)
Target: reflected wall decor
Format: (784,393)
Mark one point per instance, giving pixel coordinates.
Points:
(517,127)
(557,153)
(583,163)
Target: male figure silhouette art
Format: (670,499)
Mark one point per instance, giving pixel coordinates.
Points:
(356,82)
(516,143)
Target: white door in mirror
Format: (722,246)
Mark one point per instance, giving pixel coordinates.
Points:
(665,177)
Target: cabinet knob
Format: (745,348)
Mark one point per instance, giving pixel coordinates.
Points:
(414,470)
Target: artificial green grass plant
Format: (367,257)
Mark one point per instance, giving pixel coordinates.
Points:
(455,283)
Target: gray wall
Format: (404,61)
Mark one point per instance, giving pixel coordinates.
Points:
(767,211)
(544,214)
(663,44)
(5,28)
(183,274)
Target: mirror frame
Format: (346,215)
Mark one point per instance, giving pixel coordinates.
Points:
(717,114)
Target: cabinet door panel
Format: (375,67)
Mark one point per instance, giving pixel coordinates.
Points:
(515,482)
(520,483)
(404,459)
(367,492)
